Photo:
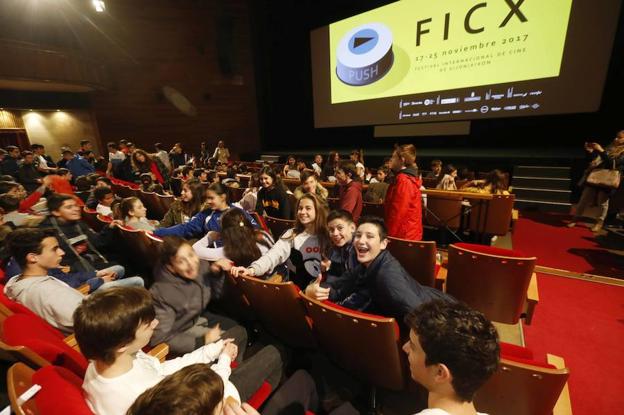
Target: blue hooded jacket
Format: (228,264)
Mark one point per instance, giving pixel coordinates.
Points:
(203,222)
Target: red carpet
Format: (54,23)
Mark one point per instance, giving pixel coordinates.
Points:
(583,322)
(574,249)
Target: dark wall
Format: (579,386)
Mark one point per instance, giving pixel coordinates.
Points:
(202,48)
(285,94)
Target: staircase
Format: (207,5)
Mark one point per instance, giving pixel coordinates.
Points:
(542,188)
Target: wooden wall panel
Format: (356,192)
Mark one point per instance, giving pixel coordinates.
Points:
(174,43)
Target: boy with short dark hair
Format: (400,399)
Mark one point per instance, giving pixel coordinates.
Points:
(378,284)
(105,198)
(112,328)
(37,251)
(452,351)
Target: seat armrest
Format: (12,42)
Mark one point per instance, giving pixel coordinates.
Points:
(531,300)
(440,281)
(563,405)
(72,342)
(159,351)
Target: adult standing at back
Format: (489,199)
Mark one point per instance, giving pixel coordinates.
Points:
(403,204)
(221,153)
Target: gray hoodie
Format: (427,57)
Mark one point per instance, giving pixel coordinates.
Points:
(179,302)
(49,298)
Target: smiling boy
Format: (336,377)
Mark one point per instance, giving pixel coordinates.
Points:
(378,284)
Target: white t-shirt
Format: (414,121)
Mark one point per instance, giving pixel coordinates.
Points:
(437,411)
(104,210)
(113,396)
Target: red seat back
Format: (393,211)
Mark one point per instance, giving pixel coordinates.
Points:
(487,281)
(43,339)
(61,391)
(366,345)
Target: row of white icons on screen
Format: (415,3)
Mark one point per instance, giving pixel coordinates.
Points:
(472,98)
(484,110)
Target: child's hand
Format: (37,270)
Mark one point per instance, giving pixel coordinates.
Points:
(315,290)
(246,272)
(231,350)
(213,334)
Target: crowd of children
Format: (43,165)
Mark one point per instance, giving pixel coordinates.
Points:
(335,255)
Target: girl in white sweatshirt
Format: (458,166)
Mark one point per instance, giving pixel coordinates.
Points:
(300,248)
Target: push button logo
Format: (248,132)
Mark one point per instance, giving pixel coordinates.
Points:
(364,54)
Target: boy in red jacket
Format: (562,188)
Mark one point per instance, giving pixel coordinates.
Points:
(403,204)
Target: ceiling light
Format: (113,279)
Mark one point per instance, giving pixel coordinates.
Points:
(99,5)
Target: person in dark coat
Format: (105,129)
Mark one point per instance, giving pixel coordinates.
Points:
(272,197)
(28,174)
(379,284)
(10,164)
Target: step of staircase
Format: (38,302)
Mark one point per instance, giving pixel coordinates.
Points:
(545,195)
(541,182)
(542,171)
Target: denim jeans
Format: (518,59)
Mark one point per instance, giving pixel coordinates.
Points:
(121,281)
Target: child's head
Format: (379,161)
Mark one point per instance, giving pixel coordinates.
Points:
(34,246)
(346,172)
(216,197)
(64,207)
(201,175)
(103,182)
(116,321)
(382,173)
(371,237)
(450,170)
(239,238)
(309,181)
(8,203)
(192,192)
(146,179)
(311,215)
(178,256)
(132,208)
(186,172)
(104,196)
(341,227)
(268,178)
(83,183)
(403,156)
(436,166)
(13,188)
(451,345)
(193,390)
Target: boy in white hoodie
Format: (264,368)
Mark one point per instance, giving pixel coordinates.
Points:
(37,251)
(112,328)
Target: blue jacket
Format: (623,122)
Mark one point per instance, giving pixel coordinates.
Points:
(199,225)
(79,166)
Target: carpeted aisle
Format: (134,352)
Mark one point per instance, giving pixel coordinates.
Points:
(545,236)
(583,322)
